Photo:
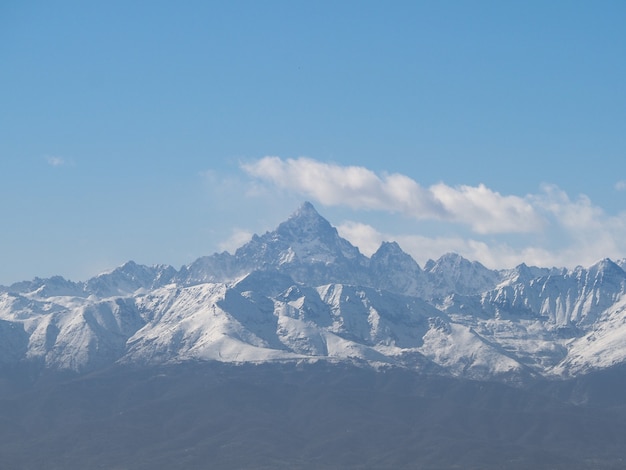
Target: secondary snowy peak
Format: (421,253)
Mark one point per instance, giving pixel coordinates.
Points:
(390,253)
(454,274)
(524,273)
(605,270)
(128,278)
(395,271)
(52,286)
(121,281)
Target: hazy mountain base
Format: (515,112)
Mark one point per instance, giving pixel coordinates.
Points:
(310,416)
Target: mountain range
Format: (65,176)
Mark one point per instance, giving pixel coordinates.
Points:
(302,294)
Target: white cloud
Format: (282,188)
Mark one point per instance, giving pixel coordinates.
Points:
(237,239)
(577,233)
(487,211)
(422,248)
(589,233)
(483,210)
(620,185)
(545,229)
(364,236)
(496,256)
(54,161)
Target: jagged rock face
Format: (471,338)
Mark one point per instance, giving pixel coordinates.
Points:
(395,271)
(305,246)
(301,292)
(453,273)
(313,253)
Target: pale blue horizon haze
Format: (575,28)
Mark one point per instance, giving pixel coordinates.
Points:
(160,132)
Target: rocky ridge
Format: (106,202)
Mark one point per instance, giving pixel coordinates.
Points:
(302,293)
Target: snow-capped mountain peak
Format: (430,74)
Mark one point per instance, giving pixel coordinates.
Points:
(305,237)
(305,224)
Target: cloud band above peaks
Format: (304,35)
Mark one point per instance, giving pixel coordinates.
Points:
(483,210)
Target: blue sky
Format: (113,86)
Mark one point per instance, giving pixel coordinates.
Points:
(164,131)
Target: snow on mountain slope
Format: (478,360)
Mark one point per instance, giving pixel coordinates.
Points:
(462,352)
(90,336)
(229,323)
(194,323)
(64,332)
(573,299)
(602,346)
(301,292)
